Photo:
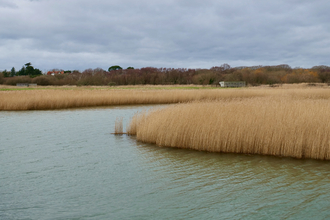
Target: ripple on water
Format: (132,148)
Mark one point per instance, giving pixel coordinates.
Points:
(65,164)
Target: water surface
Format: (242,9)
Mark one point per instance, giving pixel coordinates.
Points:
(66,165)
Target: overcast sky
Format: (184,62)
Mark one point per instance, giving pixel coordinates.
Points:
(81,34)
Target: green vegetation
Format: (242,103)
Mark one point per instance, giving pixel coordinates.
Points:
(111,68)
(1,78)
(27,70)
(24,75)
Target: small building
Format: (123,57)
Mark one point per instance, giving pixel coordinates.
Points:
(26,84)
(22,84)
(232,84)
(55,72)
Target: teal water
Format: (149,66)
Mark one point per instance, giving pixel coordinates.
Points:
(66,165)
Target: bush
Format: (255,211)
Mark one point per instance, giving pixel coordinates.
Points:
(18,79)
(2,80)
(111,84)
(324,75)
(42,81)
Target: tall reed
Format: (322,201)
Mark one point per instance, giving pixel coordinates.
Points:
(119,126)
(46,99)
(282,126)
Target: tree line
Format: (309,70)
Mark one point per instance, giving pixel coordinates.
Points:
(116,75)
(26,70)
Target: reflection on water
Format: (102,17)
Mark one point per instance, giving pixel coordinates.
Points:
(237,186)
(66,165)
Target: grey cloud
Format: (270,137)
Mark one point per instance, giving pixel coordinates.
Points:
(87,34)
(7,4)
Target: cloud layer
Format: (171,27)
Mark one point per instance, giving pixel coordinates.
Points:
(81,34)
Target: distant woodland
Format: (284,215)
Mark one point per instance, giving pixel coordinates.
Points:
(115,75)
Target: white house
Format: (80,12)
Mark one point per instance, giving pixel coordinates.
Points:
(232,84)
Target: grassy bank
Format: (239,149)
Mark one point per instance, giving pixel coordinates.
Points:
(290,123)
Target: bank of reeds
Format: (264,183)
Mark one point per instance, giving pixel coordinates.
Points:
(76,98)
(291,125)
(62,98)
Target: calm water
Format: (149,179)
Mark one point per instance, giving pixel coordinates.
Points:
(67,165)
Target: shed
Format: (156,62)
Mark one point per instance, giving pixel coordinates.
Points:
(232,84)
(22,84)
(26,84)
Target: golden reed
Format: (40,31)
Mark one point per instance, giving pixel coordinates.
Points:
(292,124)
(49,98)
(119,126)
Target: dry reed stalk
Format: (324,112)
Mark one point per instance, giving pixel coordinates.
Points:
(280,126)
(119,126)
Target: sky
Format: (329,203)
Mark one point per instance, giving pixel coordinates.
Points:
(83,34)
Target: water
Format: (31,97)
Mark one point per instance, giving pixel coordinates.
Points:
(66,165)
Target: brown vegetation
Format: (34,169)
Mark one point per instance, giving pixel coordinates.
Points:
(290,123)
(1,78)
(46,99)
(19,79)
(256,75)
(119,126)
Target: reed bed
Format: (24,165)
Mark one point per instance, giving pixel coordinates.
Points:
(62,99)
(48,99)
(289,125)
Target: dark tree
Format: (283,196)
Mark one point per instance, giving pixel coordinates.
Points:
(5,73)
(22,71)
(114,68)
(13,72)
(1,78)
(37,72)
(324,75)
(29,70)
